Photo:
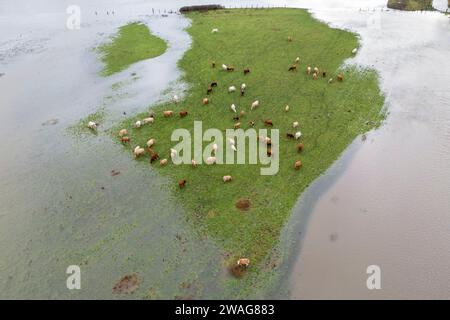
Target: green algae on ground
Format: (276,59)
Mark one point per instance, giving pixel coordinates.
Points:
(331,116)
(134,42)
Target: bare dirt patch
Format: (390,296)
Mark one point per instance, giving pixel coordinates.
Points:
(237,271)
(243,204)
(127,284)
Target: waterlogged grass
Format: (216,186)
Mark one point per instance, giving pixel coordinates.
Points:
(81,128)
(133,43)
(411,5)
(331,116)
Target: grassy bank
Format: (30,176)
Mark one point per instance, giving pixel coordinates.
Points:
(133,43)
(410,5)
(331,116)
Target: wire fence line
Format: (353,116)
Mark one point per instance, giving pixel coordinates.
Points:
(167,11)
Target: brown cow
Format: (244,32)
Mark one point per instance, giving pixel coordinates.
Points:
(340,77)
(183,114)
(268,122)
(246,70)
(125,139)
(209,90)
(154,157)
(297,164)
(182,183)
(300,147)
(293,67)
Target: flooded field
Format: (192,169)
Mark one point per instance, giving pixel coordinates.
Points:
(386,201)
(61,204)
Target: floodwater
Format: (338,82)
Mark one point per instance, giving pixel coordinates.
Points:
(60,204)
(384,202)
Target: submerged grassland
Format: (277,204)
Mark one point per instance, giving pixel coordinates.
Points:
(134,42)
(331,116)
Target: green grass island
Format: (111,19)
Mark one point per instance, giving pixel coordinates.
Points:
(245,216)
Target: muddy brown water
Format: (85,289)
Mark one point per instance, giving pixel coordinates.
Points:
(384,202)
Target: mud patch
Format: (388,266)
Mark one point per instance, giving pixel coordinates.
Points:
(50,122)
(243,204)
(237,271)
(128,284)
(333,237)
(114,173)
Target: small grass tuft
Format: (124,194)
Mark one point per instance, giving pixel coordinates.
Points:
(81,128)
